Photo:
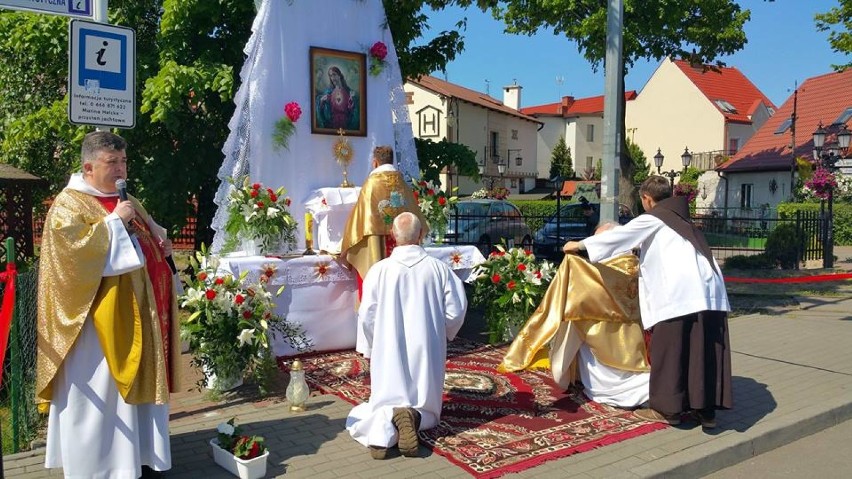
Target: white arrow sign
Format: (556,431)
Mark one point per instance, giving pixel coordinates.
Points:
(71,8)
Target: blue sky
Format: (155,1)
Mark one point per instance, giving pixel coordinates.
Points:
(783,48)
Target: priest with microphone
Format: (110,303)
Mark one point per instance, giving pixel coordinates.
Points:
(108,344)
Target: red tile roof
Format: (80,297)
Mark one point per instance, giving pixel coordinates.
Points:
(820,99)
(727,84)
(465,94)
(569,106)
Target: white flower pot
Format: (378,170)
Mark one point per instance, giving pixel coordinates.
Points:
(216,383)
(242,468)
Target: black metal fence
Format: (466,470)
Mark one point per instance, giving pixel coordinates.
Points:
(732,232)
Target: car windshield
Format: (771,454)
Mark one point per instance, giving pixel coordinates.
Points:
(472,209)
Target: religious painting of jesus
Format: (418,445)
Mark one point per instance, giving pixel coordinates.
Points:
(339,92)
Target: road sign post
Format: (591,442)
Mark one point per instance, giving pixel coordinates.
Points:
(102,80)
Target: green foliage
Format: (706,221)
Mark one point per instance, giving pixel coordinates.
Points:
(641,168)
(433,157)
(785,245)
(838,21)
(535,212)
(409,25)
(561,163)
(842,217)
(756,261)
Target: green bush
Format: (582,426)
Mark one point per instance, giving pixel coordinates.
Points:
(842,218)
(536,211)
(784,245)
(756,261)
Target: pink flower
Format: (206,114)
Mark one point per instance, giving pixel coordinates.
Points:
(379,50)
(293,111)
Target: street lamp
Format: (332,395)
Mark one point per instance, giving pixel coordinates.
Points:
(501,169)
(828,161)
(685,158)
(558,182)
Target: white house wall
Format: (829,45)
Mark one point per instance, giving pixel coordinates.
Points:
(671,113)
(761,193)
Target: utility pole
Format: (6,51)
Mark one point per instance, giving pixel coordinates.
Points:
(793,118)
(613,112)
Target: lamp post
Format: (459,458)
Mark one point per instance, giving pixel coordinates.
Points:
(685,158)
(501,169)
(827,156)
(558,182)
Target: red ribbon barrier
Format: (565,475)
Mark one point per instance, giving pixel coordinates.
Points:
(800,279)
(6,310)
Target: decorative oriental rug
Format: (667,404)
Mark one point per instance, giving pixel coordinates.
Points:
(492,423)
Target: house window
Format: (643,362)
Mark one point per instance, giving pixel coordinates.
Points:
(745,195)
(514,134)
(844,117)
(733,146)
(590,133)
(494,144)
(514,183)
(784,126)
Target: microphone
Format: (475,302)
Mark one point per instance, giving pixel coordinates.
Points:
(121,188)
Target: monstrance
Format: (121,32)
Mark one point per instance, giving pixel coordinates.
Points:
(343,155)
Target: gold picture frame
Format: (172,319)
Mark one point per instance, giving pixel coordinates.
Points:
(338,92)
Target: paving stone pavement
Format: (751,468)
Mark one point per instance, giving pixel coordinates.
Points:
(792,377)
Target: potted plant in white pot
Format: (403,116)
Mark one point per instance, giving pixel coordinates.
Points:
(242,455)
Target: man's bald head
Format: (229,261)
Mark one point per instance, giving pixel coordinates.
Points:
(407,229)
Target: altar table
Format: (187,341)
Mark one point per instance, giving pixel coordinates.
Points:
(320,294)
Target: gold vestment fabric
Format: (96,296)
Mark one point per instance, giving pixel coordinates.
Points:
(71,288)
(600,300)
(383,196)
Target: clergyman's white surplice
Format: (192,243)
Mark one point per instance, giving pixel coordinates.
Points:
(412,305)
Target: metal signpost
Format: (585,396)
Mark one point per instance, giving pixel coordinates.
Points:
(72,8)
(102,80)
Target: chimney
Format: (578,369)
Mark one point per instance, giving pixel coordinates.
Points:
(567,101)
(512,95)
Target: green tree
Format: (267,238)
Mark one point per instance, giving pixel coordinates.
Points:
(838,21)
(641,168)
(561,163)
(433,157)
(653,29)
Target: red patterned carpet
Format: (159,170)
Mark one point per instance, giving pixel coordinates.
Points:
(492,423)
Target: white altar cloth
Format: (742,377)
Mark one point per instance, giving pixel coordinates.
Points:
(330,208)
(320,294)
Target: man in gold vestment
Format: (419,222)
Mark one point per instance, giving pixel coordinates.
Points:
(384,195)
(588,327)
(108,348)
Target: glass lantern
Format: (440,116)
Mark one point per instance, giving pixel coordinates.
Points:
(297,390)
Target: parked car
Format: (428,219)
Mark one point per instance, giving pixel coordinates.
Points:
(485,222)
(573,225)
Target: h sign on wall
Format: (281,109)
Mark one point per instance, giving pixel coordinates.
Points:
(102,84)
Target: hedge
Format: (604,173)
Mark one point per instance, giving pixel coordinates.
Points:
(842,218)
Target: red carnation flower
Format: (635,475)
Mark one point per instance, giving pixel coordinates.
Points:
(247,314)
(527,252)
(522,267)
(287,201)
(211,295)
(423,184)
(430,192)
(511,284)
(219,281)
(269,190)
(253,193)
(379,50)
(202,276)
(239,299)
(442,201)
(416,196)
(538,274)
(255,186)
(495,278)
(260,204)
(274,197)
(293,111)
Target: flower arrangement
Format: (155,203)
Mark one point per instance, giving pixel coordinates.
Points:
(259,213)
(686,189)
(499,193)
(435,205)
(230,438)
(821,183)
(510,285)
(378,52)
(286,125)
(479,194)
(230,321)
